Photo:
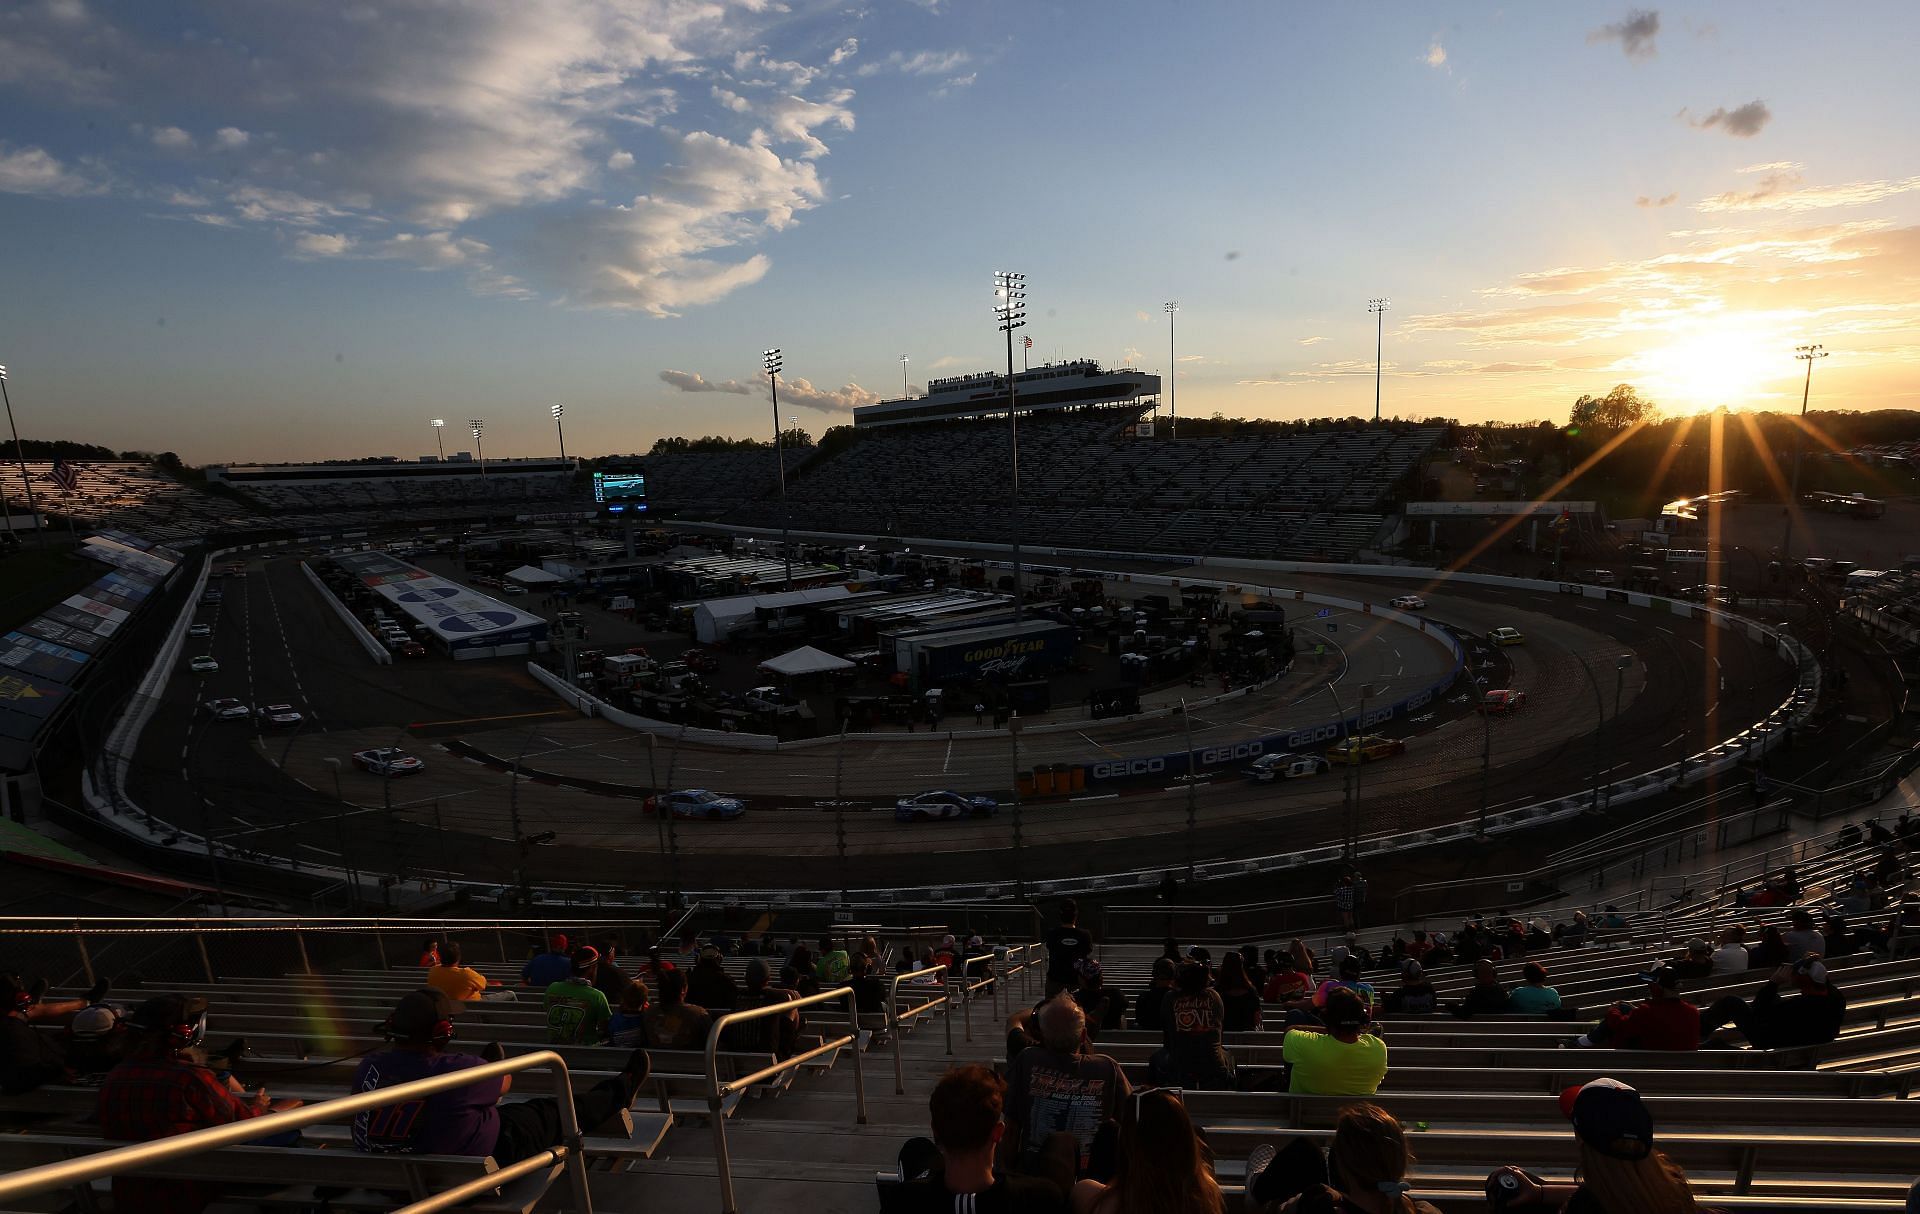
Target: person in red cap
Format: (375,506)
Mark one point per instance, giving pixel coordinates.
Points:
(554,965)
(1620,1171)
(1771,1021)
(1662,1021)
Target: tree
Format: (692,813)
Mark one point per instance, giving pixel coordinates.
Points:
(1618,409)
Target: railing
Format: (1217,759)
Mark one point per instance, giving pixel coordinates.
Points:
(896,1019)
(569,1154)
(967,987)
(718,1092)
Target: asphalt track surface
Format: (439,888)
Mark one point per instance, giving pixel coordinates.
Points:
(278,641)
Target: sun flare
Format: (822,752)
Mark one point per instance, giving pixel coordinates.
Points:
(1706,368)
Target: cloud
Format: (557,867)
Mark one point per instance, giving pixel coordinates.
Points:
(845,51)
(1436,55)
(620,160)
(1665,200)
(956,83)
(1742,122)
(1192,358)
(1775,192)
(690,381)
(800,392)
(1635,35)
(322,244)
(32,170)
(230,139)
(171,138)
(920,63)
(1311,341)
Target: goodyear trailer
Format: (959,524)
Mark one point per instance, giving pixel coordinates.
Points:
(1002,653)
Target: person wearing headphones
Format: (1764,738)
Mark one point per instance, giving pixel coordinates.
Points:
(468,1120)
(29,1057)
(163,1089)
(1344,1060)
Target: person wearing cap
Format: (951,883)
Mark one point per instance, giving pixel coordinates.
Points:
(457,980)
(1344,1059)
(1067,944)
(1346,977)
(1486,997)
(96,1041)
(577,1011)
(544,969)
(1415,996)
(1058,1085)
(1697,961)
(1105,1007)
(833,964)
(29,1057)
(1774,1021)
(1803,937)
(163,1089)
(468,1120)
(1533,997)
(1620,1171)
(1661,1021)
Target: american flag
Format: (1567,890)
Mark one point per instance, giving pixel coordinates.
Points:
(1029,342)
(64,475)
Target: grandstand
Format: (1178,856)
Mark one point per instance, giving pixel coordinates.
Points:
(322,495)
(707,484)
(128,494)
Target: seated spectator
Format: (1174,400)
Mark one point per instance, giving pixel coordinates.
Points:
(1539,936)
(545,969)
(1620,1171)
(1162,1164)
(1802,938)
(163,1089)
(654,968)
(958,1173)
(30,1058)
(1662,1021)
(624,1025)
(1105,1007)
(1301,956)
(1054,1085)
(1780,891)
(833,964)
(710,986)
(1286,985)
(1366,1170)
(96,1041)
(1256,969)
(869,992)
(768,1034)
(1731,957)
(612,980)
(1697,961)
(577,1012)
(1146,1013)
(1192,1018)
(1770,952)
(429,954)
(1533,997)
(1486,997)
(672,1023)
(1415,995)
(1347,978)
(1238,995)
(1771,1021)
(468,1120)
(457,981)
(870,948)
(1418,947)
(1067,943)
(1344,1059)
(1860,894)
(1573,934)
(1837,937)
(1612,919)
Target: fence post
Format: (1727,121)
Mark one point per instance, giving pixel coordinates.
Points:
(300,939)
(380,944)
(206,962)
(86,962)
(576,1162)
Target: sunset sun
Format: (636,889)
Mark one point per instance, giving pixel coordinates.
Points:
(1705,368)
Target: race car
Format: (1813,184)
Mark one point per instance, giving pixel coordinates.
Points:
(1365,749)
(279,714)
(226,708)
(696,804)
(1506,700)
(942,805)
(1505,636)
(412,649)
(1267,768)
(200,630)
(1408,602)
(387,761)
(204,664)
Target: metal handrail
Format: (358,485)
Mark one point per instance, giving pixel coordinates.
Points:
(673,933)
(717,1092)
(570,1152)
(895,1018)
(967,988)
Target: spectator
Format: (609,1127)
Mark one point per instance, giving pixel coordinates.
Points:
(468,1120)
(769,1034)
(1256,972)
(958,1173)
(1575,933)
(1067,945)
(1238,995)
(833,964)
(545,969)
(1662,1021)
(1105,1007)
(611,979)
(577,1013)
(1486,997)
(96,1041)
(1697,961)
(162,1089)
(1348,978)
(1162,1165)
(1731,956)
(1620,1171)
(870,948)
(1344,1059)
(429,954)
(1770,952)
(869,992)
(1191,1021)
(1837,938)
(1146,1013)
(1301,955)
(1286,985)
(1533,997)
(624,1025)
(1418,947)
(1415,995)
(455,980)
(672,1023)
(710,986)
(1365,1171)
(1539,936)
(1802,938)
(1054,1086)
(655,967)
(29,1057)
(1772,1022)
(1343,900)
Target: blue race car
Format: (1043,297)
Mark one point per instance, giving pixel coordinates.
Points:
(696,804)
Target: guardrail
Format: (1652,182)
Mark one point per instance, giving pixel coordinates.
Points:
(968,987)
(896,1018)
(381,655)
(570,1154)
(718,1092)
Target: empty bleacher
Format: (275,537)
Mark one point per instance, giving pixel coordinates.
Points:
(126,494)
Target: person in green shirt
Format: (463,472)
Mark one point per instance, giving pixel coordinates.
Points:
(834,964)
(1533,997)
(577,1011)
(1344,1060)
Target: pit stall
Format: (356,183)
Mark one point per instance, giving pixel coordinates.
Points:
(462,621)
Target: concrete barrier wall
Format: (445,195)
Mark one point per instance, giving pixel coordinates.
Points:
(381,655)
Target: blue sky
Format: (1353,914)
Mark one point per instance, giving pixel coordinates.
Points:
(301,229)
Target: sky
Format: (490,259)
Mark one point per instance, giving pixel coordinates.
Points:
(300,229)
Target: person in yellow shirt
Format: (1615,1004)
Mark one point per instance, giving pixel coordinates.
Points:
(1345,1060)
(455,979)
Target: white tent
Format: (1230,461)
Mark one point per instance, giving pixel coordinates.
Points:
(805,660)
(527,575)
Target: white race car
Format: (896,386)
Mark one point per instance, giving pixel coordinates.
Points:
(1285,767)
(226,708)
(200,630)
(387,761)
(204,664)
(279,714)
(942,805)
(1408,602)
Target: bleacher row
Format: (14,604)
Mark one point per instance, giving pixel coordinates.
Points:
(408,497)
(127,494)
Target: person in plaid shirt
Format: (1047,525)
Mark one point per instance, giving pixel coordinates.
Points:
(163,1089)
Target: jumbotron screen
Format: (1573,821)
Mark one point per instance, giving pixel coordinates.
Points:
(625,490)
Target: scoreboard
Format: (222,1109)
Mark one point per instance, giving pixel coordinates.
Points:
(620,492)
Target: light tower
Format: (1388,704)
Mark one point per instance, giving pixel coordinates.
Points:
(439,444)
(1173,373)
(1379,309)
(904,390)
(478,426)
(558,428)
(1806,354)
(20,453)
(1011,313)
(770,359)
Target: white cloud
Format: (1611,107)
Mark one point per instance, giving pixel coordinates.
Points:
(620,160)
(801,392)
(1436,55)
(1311,341)
(171,138)
(845,51)
(31,170)
(693,381)
(1635,35)
(1742,121)
(1776,192)
(230,139)
(920,63)
(322,244)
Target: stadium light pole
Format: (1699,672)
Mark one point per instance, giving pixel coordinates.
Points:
(1173,369)
(1620,666)
(20,453)
(770,359)
(1806,354)
(439,444)
(478,426)
(905,391)
(1011,289)
(560,430)
(1379,309)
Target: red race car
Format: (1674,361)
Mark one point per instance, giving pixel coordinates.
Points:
(1499,703)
